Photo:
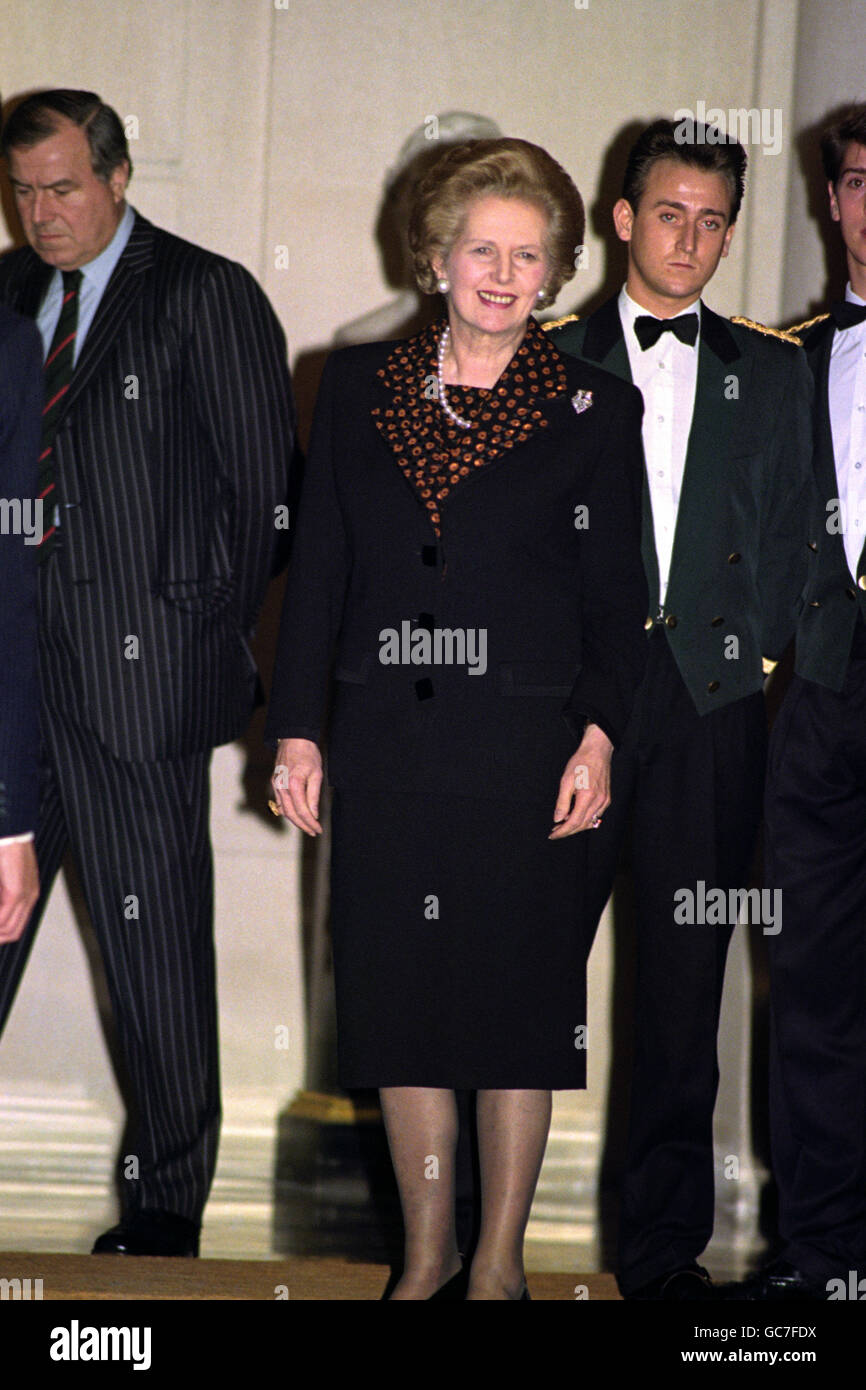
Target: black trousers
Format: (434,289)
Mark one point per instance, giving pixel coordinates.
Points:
(139,835)
(692,788)
(816,854)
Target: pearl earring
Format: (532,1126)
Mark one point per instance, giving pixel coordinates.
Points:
(442,285)
(542,294)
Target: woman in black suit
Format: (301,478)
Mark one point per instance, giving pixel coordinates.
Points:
(468,543)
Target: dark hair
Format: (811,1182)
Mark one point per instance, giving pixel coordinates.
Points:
(850,129)
(504,168)
(40,115)
(690,142)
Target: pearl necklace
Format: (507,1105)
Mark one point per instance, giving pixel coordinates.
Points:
(443,400)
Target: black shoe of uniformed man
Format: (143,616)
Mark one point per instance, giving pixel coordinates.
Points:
(779,1282)
(150,1233)
(677,1286)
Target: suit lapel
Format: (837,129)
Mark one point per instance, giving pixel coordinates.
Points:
(705,476)
(556,412)
(604,343)
(819,348)
(818,352)
(120,295)
(559,411)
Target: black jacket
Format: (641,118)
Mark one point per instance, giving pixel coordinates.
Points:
(833,600)
(740,560)
(559,595)
(172,454)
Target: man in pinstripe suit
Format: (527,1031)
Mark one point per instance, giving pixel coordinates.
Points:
(165,452)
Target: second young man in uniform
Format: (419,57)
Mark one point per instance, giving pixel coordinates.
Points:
(727,439)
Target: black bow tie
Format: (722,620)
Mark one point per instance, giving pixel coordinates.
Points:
(846,314)
(650,329)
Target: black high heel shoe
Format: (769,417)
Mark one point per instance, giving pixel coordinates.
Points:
(455,1289)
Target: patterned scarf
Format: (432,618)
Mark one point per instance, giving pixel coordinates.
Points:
(434,453)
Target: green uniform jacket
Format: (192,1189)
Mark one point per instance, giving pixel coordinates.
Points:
(740,557)
(833,601)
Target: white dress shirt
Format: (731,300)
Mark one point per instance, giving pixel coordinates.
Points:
(94,278)
(847,394)
(666,376)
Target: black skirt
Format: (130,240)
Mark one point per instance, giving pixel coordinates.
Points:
(458,946)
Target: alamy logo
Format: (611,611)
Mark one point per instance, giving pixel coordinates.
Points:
(854,1291)
(751,126)
(22,517)
(77,1343)
(23,1289)
(838,516)
(715,908)
(434,646)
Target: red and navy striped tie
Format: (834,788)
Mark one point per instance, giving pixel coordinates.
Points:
(58,374)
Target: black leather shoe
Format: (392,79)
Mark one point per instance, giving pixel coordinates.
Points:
(677,1286)
(780,1282)
(150,1233)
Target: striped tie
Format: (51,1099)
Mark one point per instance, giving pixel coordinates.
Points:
(58,374)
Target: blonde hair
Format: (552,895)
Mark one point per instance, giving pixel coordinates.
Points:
(505,168)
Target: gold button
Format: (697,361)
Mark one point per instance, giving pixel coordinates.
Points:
(670,620)
(813,545)
(862,581)
(717,622)
(648,624)
(813,603)
(734,557)
(712,687)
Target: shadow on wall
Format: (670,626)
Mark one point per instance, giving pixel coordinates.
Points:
(599,216)
(409,310)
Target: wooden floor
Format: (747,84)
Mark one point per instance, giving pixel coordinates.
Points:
(110,1277)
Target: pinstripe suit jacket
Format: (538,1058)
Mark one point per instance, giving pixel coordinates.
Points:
(20,427)
(172,454)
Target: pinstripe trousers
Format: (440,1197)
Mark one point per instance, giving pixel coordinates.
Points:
(138,833)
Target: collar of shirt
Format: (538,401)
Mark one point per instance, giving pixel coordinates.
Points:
(849,343)
(629,310)
(97,272)
(95,276)
(854,336)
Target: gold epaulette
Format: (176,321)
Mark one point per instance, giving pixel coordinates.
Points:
(801,327)
(559,323)
(788,335)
